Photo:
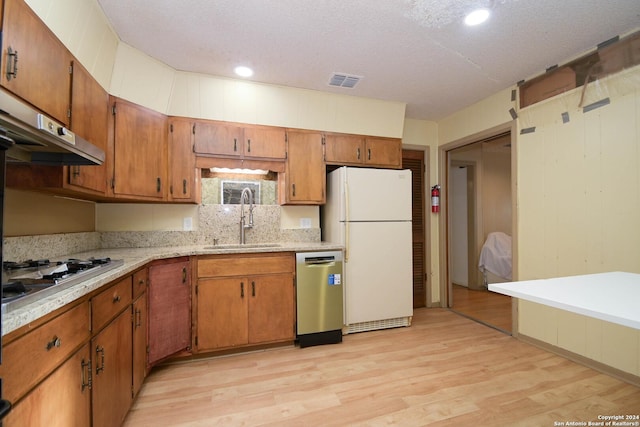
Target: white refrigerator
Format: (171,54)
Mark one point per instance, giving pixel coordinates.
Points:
(369,212)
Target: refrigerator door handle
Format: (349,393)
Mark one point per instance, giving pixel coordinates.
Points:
(346,222)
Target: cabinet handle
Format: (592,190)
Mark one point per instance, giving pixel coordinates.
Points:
(76,171)
(184,274)
(294,189)
(253,288)
(358,153)
(12,63)
(369,153)
(248,145)
(86,381)
(235,144)
(241,289)
(116,299)
(138,314)
(184,186)
(158,184)
(101,351)
(55,342)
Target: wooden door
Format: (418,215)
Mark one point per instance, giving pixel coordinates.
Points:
(89,118)
(271,308)
(62,400)
(169,309)
(383,152)
(264,143)
(140,155)
(182,160)
(344,149)
(42,77)
(140,314)
(414,160)
(217,138)
(222,313)
(305,169)
(112,373)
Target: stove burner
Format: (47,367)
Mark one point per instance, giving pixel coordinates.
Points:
(23,280)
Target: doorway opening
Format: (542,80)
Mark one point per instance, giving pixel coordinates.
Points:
(479,205)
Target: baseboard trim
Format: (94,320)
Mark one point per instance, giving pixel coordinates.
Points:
(590,363)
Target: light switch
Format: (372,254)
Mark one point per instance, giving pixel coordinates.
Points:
(305,222)
(187,224)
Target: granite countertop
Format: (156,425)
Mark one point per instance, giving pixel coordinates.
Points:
(134,258)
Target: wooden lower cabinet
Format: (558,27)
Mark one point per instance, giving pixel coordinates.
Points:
(235,310)
(169,308)
(63,399)
(112,372)
(139,311)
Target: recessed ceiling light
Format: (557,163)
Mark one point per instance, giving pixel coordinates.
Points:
(243,71)
(476,17)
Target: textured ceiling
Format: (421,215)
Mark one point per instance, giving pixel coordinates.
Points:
(413,51)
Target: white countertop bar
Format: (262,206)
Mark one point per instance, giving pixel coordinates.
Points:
(613,297)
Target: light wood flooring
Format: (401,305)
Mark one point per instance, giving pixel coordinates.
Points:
(444,370)
(484,306)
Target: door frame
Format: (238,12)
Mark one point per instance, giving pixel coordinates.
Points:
(444,219)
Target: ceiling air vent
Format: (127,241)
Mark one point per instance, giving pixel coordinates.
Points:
(344,80)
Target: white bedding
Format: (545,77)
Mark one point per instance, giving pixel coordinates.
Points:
(495,256)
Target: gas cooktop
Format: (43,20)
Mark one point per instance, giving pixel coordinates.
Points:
(24,282)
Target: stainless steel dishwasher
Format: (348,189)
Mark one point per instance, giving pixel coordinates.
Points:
(319,282)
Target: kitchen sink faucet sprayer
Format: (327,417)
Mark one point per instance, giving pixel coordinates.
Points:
(246,192)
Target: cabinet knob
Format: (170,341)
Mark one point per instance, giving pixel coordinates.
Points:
(55,342)
(116,299)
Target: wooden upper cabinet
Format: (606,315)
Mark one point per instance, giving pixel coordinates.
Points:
(89,118)
(35,64)
(344,149)
(140,152)
(304,180)
(233,140)
(359,150)
(383,152)
(264,142)
(217,138)
(182,161)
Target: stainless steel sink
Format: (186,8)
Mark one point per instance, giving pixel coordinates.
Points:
(244,246)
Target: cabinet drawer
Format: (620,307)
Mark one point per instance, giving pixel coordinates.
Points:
(107,304)
(234,265)
(140,279)
(29,359)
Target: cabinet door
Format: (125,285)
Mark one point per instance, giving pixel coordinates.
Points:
(139,342)
(182,161)
(112,373)
(169,309)
(140,155)
(89,118)
(305,169)
(217,138)
(222,313)
(264,143)
(42,77)
(383,152)
(271,312)
(344,149)
(63,399)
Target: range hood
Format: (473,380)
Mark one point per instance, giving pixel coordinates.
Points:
(39,139)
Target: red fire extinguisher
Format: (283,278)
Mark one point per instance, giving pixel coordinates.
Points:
(435,199)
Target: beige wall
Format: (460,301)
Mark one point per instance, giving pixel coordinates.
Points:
(29,214)
(578,183)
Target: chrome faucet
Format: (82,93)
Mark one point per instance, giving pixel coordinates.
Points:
(246,192)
